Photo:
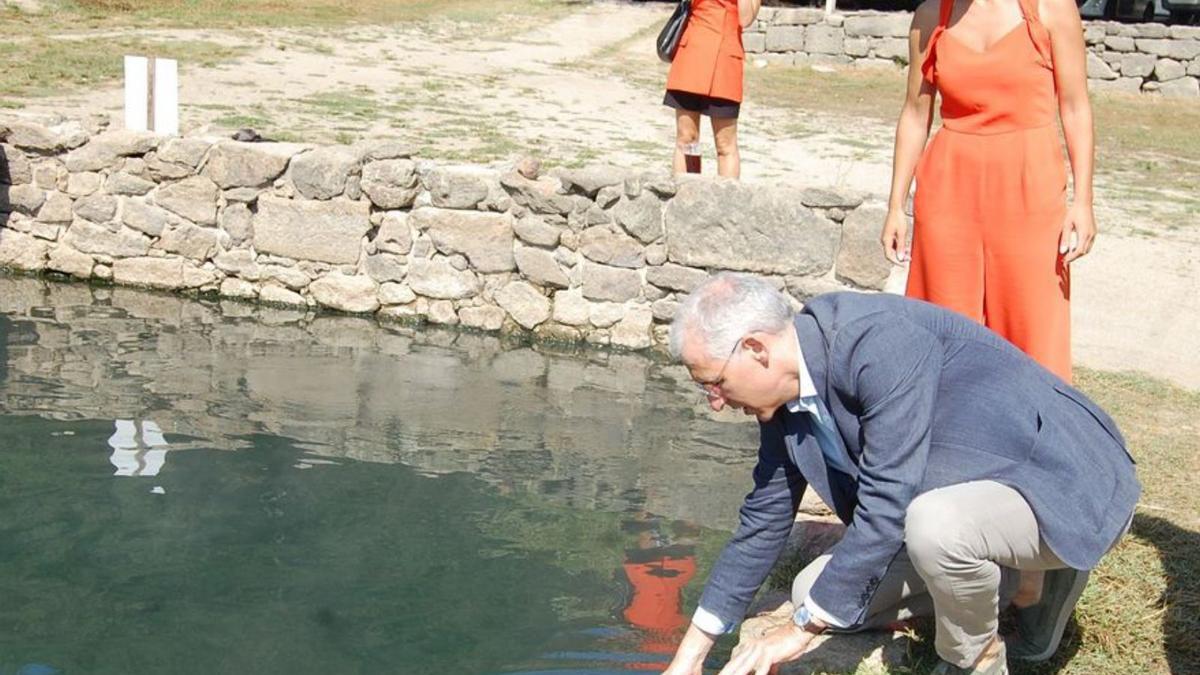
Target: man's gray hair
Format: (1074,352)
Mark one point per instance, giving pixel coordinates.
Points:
(726,308)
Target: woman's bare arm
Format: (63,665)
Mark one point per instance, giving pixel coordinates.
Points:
(747,11)
(912,131)
(1061,18)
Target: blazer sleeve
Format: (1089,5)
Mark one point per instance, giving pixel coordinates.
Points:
(891,368)
(765,521)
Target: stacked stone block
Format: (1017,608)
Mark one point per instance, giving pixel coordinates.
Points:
(1148,57)
(597,254)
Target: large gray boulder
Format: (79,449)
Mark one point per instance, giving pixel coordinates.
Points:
(57,209)
(524,304)
(177,158)
(26,199)
(96,208)
(69,261)
(104,150)
(641,217)
(394,235)
(15,168)
(121,183)
(588,180)
(45,139)
(329,231)
(538,265)
(615,284)
(89,237)
(391,183)
(486,239)
(861,261)
(169,273)
(675,277)
(144,217)
(190,241)
(534,230)
(383,267)
(232,164)
(322,173)
(539,196)
(889,24)
(193,198)
(458,187)
(346,293)
(602,245)
(633,330)
(764,229)
(437,278)
(21,251)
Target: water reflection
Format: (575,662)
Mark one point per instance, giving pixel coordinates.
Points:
(138,448)
(336,496)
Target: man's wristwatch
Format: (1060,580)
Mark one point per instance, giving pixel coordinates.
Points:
(805,620)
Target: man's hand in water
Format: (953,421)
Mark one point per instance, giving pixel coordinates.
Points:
(781,644)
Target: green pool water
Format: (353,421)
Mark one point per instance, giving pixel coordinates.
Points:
(192,486)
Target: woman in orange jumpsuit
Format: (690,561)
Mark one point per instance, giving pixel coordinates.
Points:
(993,234)
(706,78)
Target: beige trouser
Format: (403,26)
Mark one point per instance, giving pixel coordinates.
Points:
(963,544)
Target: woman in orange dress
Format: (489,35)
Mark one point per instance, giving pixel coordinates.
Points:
(706,78)
(993,234)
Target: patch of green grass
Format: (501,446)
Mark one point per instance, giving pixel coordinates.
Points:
(311,46)
(318,13)
(351,104)
(43,65)
(239,121)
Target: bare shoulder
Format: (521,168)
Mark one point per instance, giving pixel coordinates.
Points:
(926,16)
(1059,14)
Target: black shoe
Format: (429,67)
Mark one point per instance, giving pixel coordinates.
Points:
(1040,626)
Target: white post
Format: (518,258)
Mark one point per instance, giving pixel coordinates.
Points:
(151,94)
(166,96)
(137,89)
(830,5)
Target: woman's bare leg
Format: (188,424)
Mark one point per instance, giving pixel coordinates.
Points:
(729,162)
(687,130)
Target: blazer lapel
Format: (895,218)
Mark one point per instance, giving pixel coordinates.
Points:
(836,489)
(806,453)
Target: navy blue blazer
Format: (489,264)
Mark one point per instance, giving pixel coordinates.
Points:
(923,398)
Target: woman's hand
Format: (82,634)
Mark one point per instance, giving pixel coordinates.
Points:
(1078,233)
(895,237)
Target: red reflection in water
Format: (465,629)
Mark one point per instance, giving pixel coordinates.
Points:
(658,573)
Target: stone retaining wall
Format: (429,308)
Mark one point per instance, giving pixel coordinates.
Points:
(596,254)
(1147,57)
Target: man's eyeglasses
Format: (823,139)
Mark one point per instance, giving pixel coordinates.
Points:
(713,389)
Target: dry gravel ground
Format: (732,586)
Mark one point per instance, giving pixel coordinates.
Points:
(584,87)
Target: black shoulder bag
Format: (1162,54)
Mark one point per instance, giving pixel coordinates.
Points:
(668,37)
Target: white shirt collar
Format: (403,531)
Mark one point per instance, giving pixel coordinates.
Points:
(808,388)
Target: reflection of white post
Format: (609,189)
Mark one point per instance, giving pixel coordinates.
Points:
(137,449)
(152,94)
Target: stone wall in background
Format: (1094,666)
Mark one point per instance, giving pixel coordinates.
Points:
(1146,57)
(599,254)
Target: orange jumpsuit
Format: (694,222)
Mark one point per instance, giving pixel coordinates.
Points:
(710,56)
(991,191)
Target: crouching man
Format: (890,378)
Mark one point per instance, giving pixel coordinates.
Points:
(964,471)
